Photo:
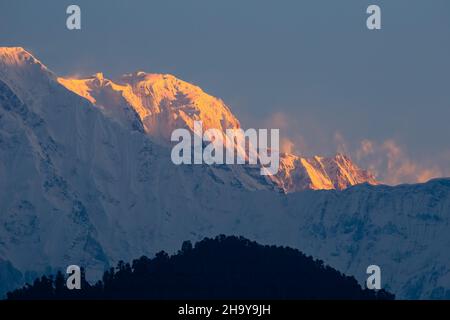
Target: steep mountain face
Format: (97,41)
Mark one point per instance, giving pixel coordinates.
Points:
(318,173)
(164,103)
(72,179)
(108,97)
(77,186)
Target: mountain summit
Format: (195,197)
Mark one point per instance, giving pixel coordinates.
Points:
(163,103)
(320,173)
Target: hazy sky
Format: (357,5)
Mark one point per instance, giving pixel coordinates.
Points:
(309,67)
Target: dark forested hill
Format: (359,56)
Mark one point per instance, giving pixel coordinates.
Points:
(220,268)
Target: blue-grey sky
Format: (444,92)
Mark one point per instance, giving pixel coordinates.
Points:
(310,67)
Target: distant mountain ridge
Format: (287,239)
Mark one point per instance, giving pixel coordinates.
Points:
(320,173)
(164,103)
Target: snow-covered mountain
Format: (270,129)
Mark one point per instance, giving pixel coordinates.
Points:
(164,103)
(79,185)
(68,174)
(318,173)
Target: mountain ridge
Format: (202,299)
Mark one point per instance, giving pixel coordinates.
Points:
(320,173)
(159,103)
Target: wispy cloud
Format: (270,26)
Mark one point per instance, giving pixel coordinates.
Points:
(291,140)
(389,160)
(392,164)
(340,143)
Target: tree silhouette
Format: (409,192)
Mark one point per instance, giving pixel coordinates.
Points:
(220,268)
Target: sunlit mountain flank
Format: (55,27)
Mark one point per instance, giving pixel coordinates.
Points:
(163,103)
(319,173)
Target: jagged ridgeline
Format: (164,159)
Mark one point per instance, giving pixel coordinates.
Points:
(220,268)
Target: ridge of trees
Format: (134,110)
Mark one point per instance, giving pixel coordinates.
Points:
(226,267)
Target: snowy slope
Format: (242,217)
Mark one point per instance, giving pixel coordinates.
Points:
(318,173)
(103,93)
(72,179)
(77,186)
(403,229)
(164,103)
